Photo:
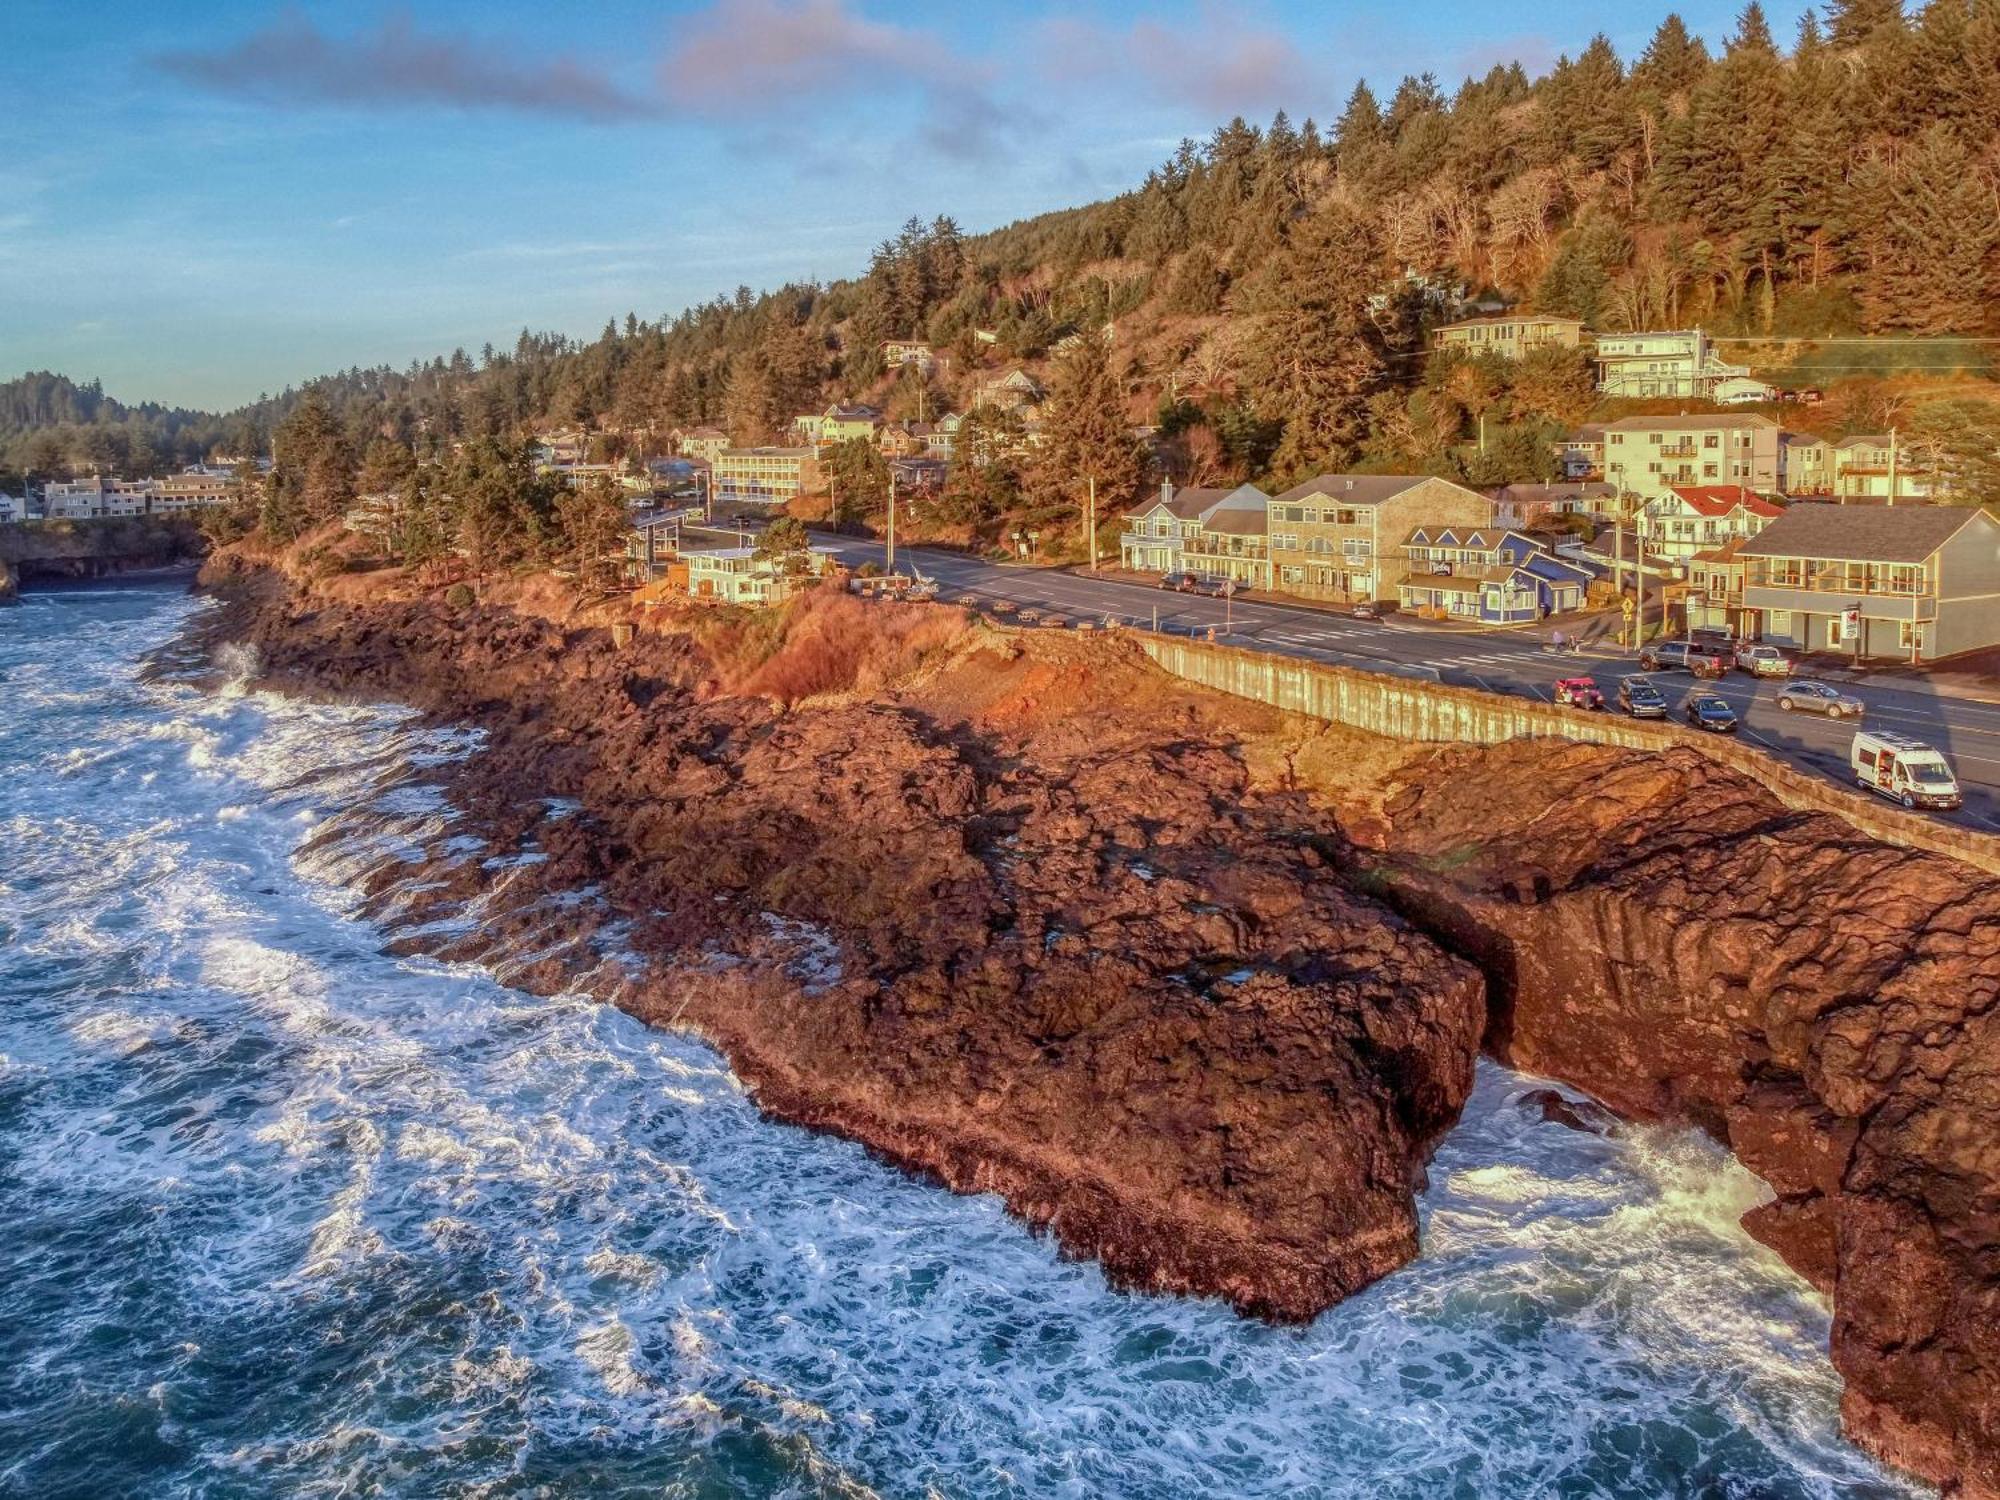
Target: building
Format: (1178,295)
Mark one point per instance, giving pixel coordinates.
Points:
(1581,454)
(1154,534)
(1525,504)
(1921,581)
(95,498)
(844,422)
(1231,539)
(1681,363)
(737,575)
(896,353)
(13,508)
(1874,466)
(1009,391)
(703,443)
(192,489)
(1340,536)
(1648,456)
(766,476)
(1805,464)
(565,447)
(1490,574)
(1715,588)
(1510,336)
(1741,390)
(1695,518)
(943,435)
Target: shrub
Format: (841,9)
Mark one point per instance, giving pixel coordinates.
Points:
(459,596)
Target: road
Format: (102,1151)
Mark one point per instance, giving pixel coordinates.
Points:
(1503,661)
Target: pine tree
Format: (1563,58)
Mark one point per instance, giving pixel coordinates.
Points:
(1087,435)
(1850,23)
(1929,244)
(1316,356)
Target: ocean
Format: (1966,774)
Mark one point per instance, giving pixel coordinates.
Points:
(284,1214)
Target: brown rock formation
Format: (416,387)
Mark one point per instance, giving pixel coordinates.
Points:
(1664,934)
(1030,927)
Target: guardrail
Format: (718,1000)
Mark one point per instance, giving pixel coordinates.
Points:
(1412,709)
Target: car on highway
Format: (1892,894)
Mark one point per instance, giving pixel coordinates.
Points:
(1179,583)
(1578,692)
(1762,661)
(1365,611)
(1711,711)
(1903,770)
(1806,696)
(1641,698)
(1699,657)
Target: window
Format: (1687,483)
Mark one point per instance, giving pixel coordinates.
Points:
(1781,622)
(1345,517)
(1708,471)
(1909,635)
(1711,441)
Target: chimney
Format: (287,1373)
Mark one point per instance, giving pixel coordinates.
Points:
(1350,484)
(1166,490)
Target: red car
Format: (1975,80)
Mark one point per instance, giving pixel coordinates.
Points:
(1579,692)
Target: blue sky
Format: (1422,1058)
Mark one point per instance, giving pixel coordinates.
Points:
(200,202)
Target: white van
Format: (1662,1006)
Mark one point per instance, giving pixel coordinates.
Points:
(1905,770)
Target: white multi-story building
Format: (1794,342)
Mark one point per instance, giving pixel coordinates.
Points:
(95,498)
(1679,363)
(1648,456)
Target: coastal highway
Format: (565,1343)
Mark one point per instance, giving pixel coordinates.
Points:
(1503,661)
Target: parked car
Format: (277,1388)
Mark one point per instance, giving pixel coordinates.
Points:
(1030,616)
(1640,698)
(1763,661)
(1213,588)
(1817,698)
(1180,583)
(1365,611)
(1710,711)
(1903,770)
(1578,692)
(1697,657)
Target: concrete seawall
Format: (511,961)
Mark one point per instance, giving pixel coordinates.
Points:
(1401,708)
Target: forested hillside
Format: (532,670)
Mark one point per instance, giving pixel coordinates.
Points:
(1269,291)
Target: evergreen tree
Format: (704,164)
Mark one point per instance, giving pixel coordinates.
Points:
(1087,435)
(1316,356)
(1929,248)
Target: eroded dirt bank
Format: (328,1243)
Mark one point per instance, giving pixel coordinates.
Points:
(1030,917)
(1030,923)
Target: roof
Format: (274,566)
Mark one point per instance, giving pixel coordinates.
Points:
(1186,503)
(1482,538)
(1549,490)
(1355,489)
(1726,553)
(769,452)
(1864,440)
(1862,533)
(1721,499)
(843,412)
(1510,318)
(1244,511)
(1695,422)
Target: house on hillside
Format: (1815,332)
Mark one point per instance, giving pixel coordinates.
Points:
(1875,466)
(1009,391)
(1489,574)
(1715,588)
(1649,456)
(1695,518)
(1679,363)
(1340,536)
(1805,464)
(943,435)
(567,446)
(843,422)
(896,353)
(192,489)
(1510,336)
(702,443)
(1581,453)
(1923,581)
(1526,503)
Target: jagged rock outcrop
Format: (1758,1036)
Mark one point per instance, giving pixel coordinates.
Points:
(1664,934)
(1031,930)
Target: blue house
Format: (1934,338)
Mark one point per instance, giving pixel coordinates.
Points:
(1489,574)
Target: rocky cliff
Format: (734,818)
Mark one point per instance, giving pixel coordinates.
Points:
(1028,927)
(1030,917)
(1666,935)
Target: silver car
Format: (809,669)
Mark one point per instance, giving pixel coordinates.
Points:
(1763,661)
(1818,698)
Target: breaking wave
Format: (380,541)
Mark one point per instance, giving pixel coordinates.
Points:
(286,1214)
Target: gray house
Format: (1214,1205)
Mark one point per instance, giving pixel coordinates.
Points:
(1925,580)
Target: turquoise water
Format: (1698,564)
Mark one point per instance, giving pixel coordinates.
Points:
(287,1216)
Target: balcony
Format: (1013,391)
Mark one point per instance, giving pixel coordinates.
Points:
(1870,585)
(1677,450)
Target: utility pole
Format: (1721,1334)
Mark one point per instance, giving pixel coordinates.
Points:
(1093,523)
(1892,466)
(891,568)
(1618,564)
